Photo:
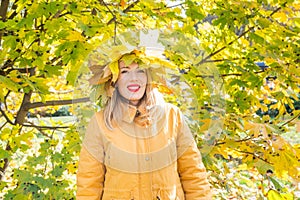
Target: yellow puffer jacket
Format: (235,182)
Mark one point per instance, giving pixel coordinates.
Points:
(142,158)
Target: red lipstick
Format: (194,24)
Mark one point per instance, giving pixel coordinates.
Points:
(133,87)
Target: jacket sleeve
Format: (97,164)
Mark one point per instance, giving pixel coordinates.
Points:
(90,177)
(193,175)
(91,170)
(191,169)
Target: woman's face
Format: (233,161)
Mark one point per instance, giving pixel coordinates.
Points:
(132,82)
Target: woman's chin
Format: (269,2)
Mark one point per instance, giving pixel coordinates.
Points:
(134,101)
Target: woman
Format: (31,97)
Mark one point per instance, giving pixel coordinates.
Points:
(139,146)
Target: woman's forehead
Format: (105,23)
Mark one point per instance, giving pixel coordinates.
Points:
(133,65)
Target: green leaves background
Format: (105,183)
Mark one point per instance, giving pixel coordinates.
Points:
(45,43)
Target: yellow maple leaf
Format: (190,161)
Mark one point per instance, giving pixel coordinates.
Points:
(256,129)
(206,124)
(114,68)
(273,195)
(75,36)
(281,16)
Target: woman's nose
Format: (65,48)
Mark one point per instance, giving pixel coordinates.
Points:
(133,75)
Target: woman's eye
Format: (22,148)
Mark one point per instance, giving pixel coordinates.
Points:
(124,71)
(141,71)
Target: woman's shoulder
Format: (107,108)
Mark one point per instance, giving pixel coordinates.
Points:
(171,107)
(165,108)
(97,117)
(99,113)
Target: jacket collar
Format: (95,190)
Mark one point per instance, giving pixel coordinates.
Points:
(130,113)
(147,123)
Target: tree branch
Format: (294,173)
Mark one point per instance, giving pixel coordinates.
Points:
(276,10)
(237,141)
(3,125)
(109,10)
(3,9)
(130,6)
(45,127)
(158,9)
(222,60)
(29,105)
(237,74)
(174,6)
(5,116)
(126,10)
(58,13)
(6,162)
(230,43)
(224,47)
(290,120)
(225,75)
(254,155)
(21,70)
(20,118)
(5,98)
(14,7)
(9,62)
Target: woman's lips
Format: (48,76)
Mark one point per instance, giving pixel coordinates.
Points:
(133,87)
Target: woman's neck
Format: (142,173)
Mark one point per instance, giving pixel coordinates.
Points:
(135,103)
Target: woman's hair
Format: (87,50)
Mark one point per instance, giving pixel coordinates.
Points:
(151,98)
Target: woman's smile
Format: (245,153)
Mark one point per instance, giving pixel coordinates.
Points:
(133,87)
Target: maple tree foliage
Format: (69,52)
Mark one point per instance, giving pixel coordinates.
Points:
(252,46)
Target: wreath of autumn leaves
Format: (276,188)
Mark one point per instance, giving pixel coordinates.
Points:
(105,76)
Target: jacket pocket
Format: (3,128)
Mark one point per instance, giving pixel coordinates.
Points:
(175,193)
(115,194)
